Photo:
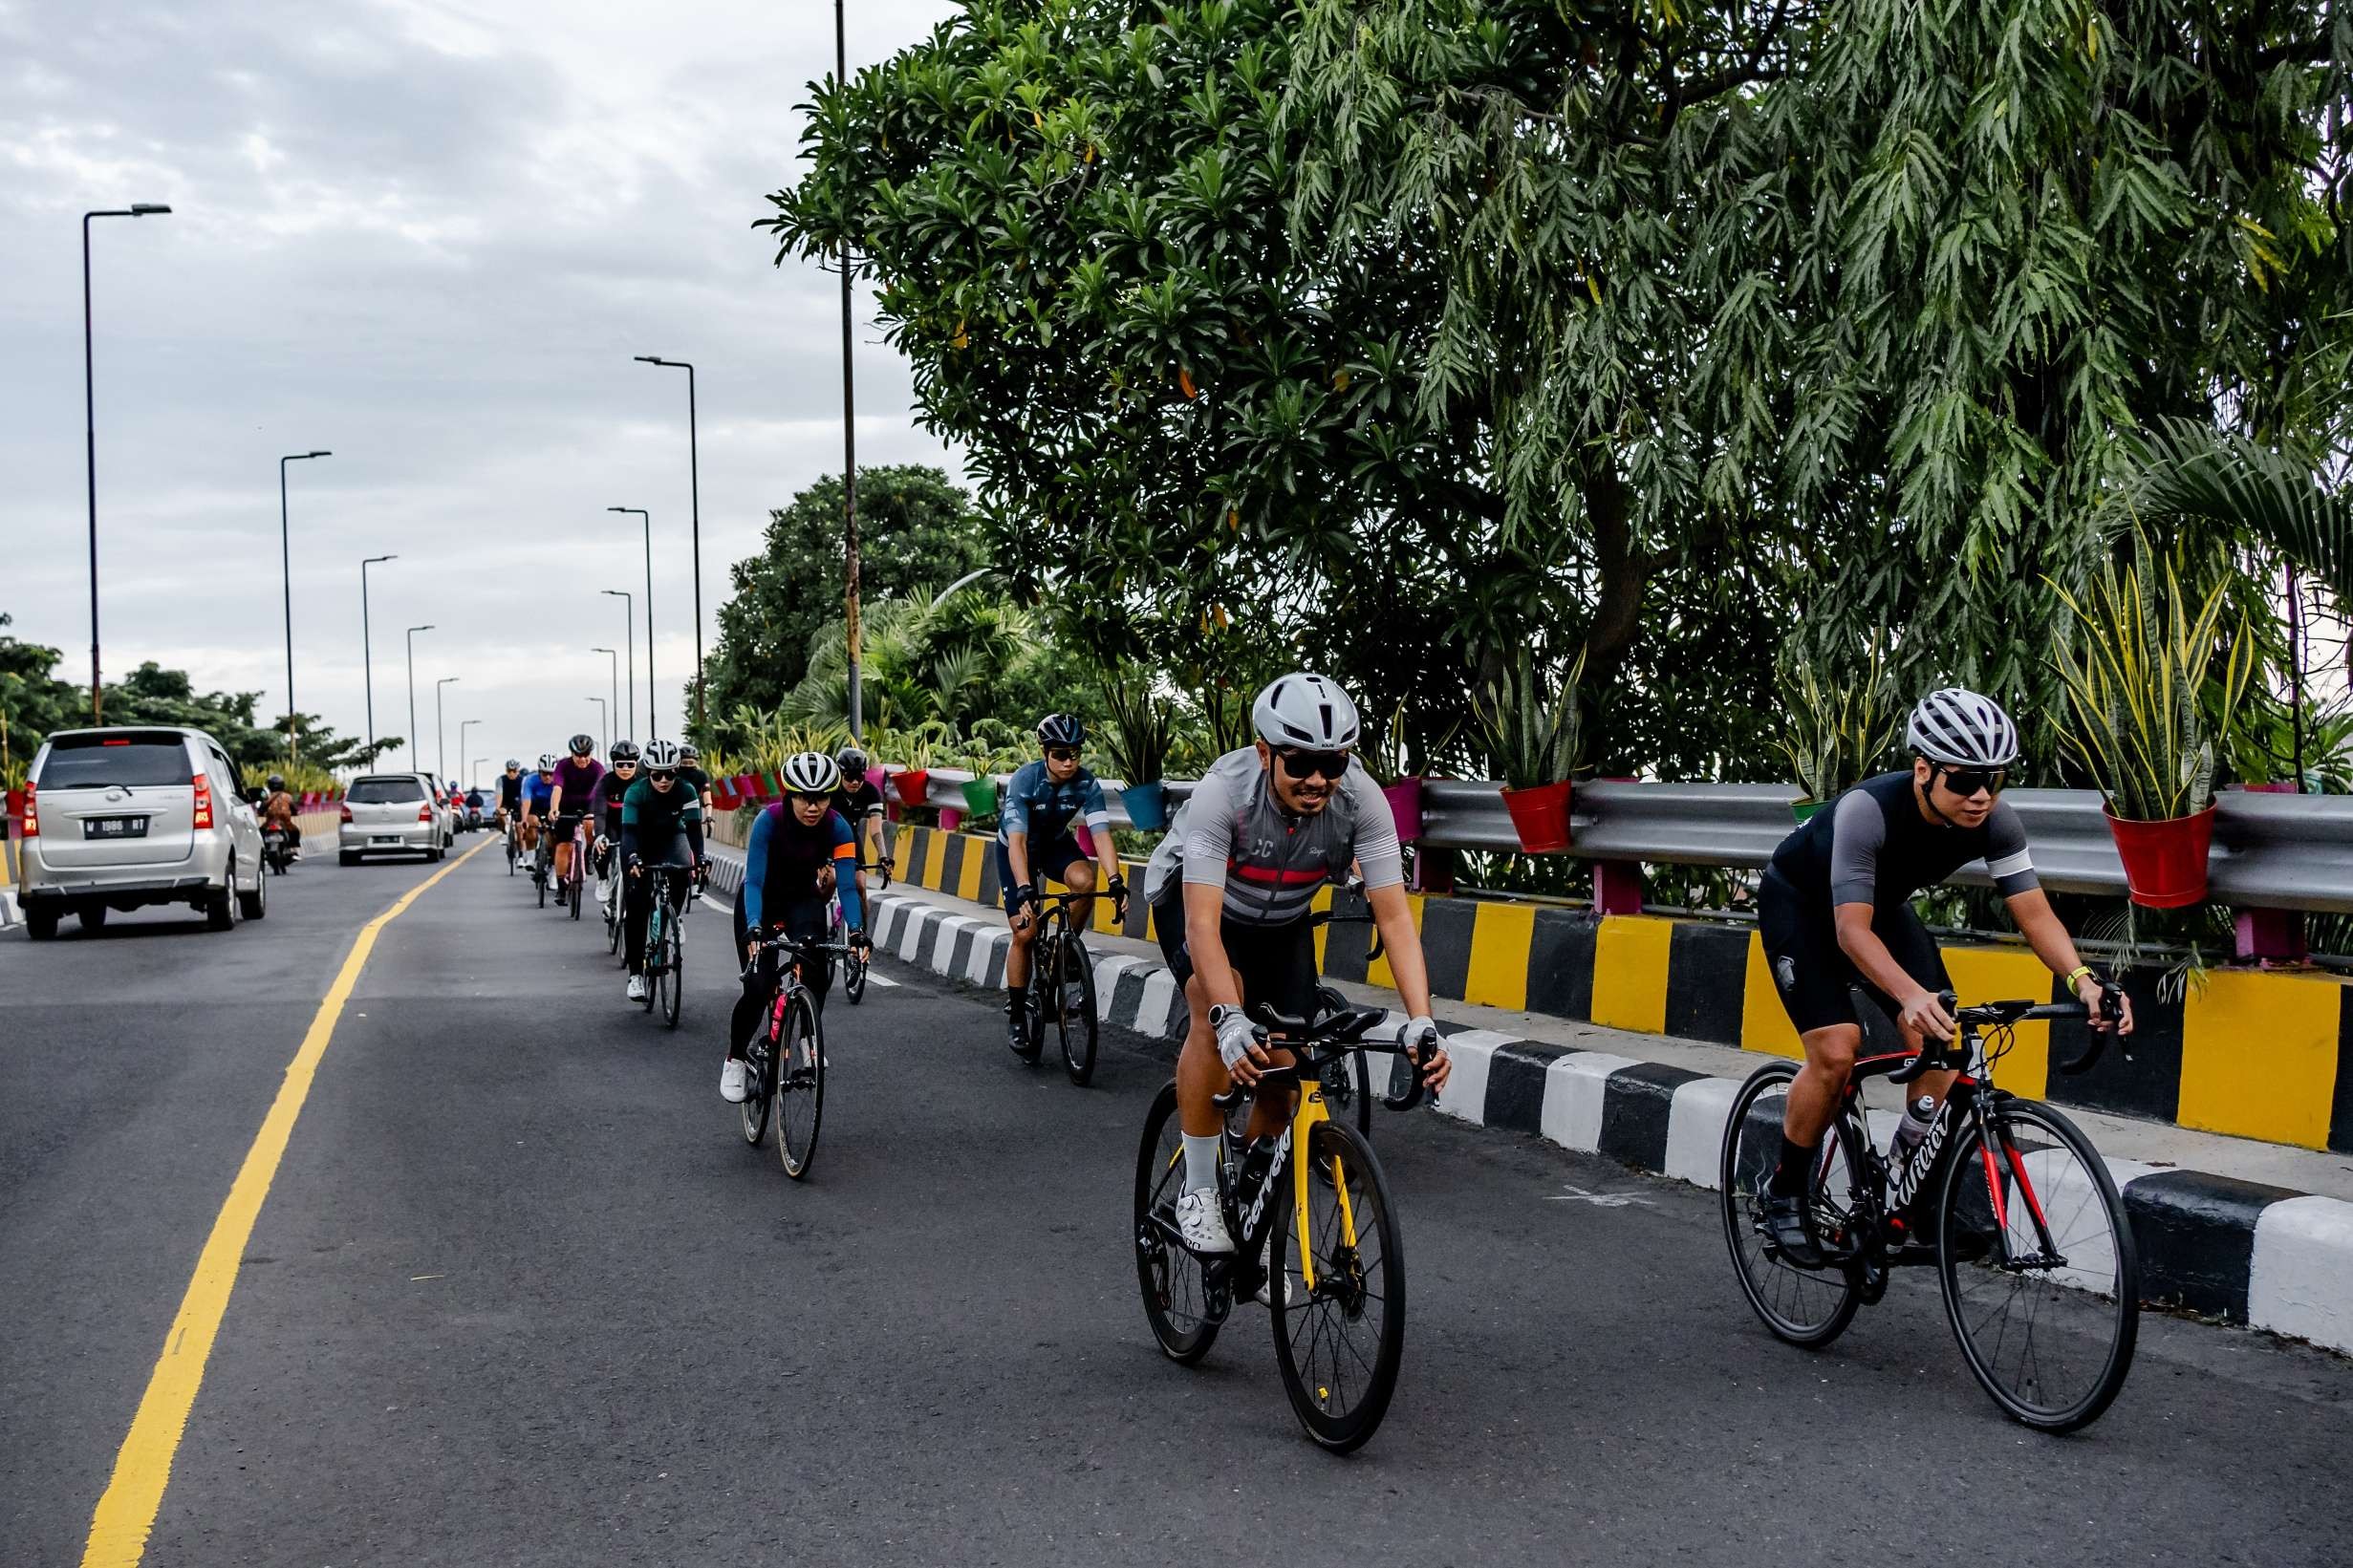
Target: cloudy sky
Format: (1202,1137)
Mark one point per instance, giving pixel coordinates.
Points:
(428,237)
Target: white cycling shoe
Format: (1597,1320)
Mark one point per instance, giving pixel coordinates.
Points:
(1266,1261)
(636,988)
(1201,1224)
(731,1081)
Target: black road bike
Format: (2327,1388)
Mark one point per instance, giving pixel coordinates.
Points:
(665,951)
(1062,988)
(1314,1231)
(784,1062)
(2004,1197)
(854,964)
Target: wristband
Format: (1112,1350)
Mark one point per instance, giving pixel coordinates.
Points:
(2076,973)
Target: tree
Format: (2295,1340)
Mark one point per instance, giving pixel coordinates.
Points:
(915,529)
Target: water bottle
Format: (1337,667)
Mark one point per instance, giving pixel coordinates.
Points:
(1918,1117)
(1255,1163)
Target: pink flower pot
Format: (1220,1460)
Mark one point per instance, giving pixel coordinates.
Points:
(1404,798)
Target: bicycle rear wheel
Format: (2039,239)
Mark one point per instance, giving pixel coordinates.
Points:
(656,929)
(758,1055)
(572,887)
(1043,966)
(2041,1278)
(800,1085)
(613,918)
(674,973)
(1076,1023)
(853,979)
(1179,1303)
(1807,1307)
(1339,1337)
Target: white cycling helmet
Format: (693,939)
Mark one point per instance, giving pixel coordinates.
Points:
(1959,727)
(660,757)
(547,762)
(1306,710)
(811,773)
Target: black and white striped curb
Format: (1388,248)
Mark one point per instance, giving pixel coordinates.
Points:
(2238,1250)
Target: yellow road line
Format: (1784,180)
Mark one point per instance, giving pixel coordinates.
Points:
(143,1467)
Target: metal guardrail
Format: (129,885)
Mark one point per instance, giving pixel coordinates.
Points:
(2271,851)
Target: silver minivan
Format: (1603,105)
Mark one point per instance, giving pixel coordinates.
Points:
(391,813)
(126,817)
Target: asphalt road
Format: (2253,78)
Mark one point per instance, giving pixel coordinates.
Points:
(520,1295)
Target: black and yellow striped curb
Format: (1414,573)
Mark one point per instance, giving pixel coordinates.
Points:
(2254,1054)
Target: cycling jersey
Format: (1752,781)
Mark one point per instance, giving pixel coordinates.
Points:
(610,789)
(537,792)
(510,792)
(784,858)
(652,821)
(858,801)
(1232,834)
(578,776)
(1035,805)
(1873,846)
(695,780)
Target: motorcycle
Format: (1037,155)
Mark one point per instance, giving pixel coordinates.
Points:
(278,849)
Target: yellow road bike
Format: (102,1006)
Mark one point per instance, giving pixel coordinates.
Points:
(1315,1234)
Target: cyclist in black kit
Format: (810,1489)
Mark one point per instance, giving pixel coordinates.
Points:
(1834,911)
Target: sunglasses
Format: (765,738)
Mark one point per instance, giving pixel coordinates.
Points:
(798,796)
(1304,764)
(661,774)
(1062,754)
(1966,781)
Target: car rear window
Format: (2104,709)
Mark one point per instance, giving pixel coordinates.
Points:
(97,762)
(385,791)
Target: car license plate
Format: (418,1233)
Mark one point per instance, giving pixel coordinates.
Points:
(114,827)
(385,838)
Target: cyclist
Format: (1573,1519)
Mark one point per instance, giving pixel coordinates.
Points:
(278,811)
(1035,840)
(577,777)
(610,790)
(1835,914)
(662,820)
(538,789)
(510,796)
(692,775)
(861,805)
(1231,887)
(792,867)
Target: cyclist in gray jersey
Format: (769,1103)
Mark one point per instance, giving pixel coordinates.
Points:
(1232,888)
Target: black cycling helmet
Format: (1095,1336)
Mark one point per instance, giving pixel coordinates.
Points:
(688,752)
(512,764)
(1062,729)
(583,745)
(277,782)
(623,751)
(852,760)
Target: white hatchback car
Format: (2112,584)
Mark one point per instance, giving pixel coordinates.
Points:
(121,818)
(391,813)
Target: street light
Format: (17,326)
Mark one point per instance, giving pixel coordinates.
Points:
(90,428)
(629,624)
(474,772)
(604,722)
(694,480)
(286,564)
(464,724)
(652,721)
(615,657)
(440,751)
(367,661)
(850,440)
(411,694)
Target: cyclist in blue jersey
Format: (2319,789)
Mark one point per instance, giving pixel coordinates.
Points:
(1034,840)
(800,855)
(538,794)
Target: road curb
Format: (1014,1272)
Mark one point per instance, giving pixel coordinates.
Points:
(9,914)
(2238,1251)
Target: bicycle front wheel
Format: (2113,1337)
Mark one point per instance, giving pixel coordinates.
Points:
(2041,1278)
(1184,1310)
(853,979)
(1807,1307)
(1339,1293)
(613,919)
(673,973)
(800,1085)
(1076,1023)
(657,929)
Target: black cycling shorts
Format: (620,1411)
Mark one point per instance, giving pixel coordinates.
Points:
(1275,965)
(1817,981)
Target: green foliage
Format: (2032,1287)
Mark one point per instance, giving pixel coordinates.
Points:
(1837,724)
(1535,728)
(1142,728)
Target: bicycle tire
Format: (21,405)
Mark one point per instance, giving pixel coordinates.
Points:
(541,878)
(853,979)
(1347,1291)
(1175,1285)
(1806,1307)
(800,1086)
(613,921)
(674,973)
(571,896)
(650,958)
(1075,1024)
(2073,1185)
(753,1112)
(1042,962)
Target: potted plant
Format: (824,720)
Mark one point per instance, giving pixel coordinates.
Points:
(1534,737)
(1833,739)
(2144,705)
(916,748)
(1384,754)
(1142,728)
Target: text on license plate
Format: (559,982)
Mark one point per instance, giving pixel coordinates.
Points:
(385,838)
(114,827)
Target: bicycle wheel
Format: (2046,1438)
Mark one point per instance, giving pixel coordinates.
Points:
(655,928)
(1808,1307)
(674,973)
(572,892)
(2041,1278)
(613,919)
(539,875)
(800,1085)
(1042,966)
(853,979)
(514,856)
(1339,1335)
(1076,1023)
(757,1055)
(1178,1301)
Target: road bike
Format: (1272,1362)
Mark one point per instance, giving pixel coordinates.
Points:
(784,1062)
(854,965)
(543,861)
(609,889)
(665,953)
(1062,987)
(576,875)
(1312,1202)
(2006,1197)
(514,844)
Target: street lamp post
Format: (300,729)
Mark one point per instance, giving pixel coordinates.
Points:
(464,724)
(367,660)
(440,751)
(474,772)
(849,441)
(652,720)
(629,624)
(694,480)
(411,694)
(285,566)
(604,722)
(90,428)
(614,655)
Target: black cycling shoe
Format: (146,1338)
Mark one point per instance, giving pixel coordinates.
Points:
(1789,1226)
(1017,1036)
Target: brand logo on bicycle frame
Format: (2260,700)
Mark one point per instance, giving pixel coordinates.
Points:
(1266,1184)
(1915,1170)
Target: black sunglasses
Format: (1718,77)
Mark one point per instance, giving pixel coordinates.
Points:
(658,774)
(1966,781)
(1062,754)
(798,795)
(1303,764)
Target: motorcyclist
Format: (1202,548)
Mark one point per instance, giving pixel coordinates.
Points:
(278,811)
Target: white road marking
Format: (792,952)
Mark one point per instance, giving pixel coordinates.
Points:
(1599,1201)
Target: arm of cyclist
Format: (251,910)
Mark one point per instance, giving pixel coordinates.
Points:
(846,881)
(1239,1046)
(755,878)
(1857,832)
(1393,916)
(1096,813)
(2044,933)
(1024,892)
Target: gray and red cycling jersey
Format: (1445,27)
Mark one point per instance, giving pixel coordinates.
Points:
(1232,834)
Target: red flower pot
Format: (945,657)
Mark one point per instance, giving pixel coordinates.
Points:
(1404,798)
(913,783)
(2165,862)
(1540,816)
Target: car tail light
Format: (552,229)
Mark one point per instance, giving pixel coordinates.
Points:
(31,827)
(347,812)
(424,813)
(204,802)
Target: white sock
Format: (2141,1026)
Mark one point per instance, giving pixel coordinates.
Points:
(1201,1163)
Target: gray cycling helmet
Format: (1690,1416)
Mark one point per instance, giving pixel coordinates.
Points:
(1959,727)
(583,745)
(1306,710)
(1062,729)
